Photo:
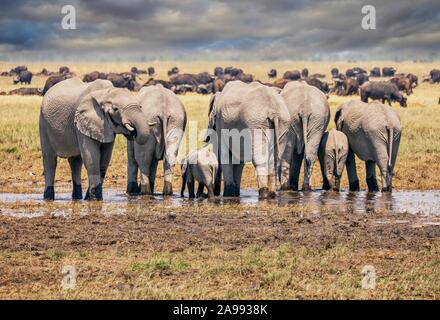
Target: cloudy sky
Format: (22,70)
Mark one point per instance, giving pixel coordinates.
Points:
(221,29)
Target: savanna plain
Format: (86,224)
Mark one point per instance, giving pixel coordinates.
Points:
(153,248)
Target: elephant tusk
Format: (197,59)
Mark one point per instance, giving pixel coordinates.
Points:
(129,127)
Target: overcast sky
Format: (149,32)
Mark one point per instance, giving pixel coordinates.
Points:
(223,29)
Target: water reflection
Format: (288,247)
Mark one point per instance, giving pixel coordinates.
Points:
(317,202)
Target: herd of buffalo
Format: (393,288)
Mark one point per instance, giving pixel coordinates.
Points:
(355,81)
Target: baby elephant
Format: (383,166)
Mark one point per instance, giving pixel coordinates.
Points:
(200,165)
(332,154)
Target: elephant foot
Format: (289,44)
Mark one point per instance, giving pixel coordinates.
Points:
(94,193)
(49,193)
(230,191)
(387,189)
(372,185)
(167,189)
(306,187)
(133,188)
(77,192)
(354,186)
(263,193)
(285,187)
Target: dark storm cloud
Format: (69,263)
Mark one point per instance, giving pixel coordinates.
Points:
(222,29)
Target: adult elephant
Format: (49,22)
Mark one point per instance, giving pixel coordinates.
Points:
(373,131)
(78,121)
(310,114)
(166,117)
(249,121)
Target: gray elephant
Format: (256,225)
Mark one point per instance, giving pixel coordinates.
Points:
(166,117)
(310,115)
(332,155)
(78,121)
(201,166)
(250,123)
(373,131)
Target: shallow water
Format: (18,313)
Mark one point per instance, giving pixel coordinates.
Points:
(425,203)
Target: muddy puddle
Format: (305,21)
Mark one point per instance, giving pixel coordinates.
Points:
(423,203)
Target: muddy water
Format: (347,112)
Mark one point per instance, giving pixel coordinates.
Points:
(423,203)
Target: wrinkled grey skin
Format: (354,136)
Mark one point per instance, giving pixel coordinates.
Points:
(260,109)
(310,115)
(332,155)
(201,166)
(78,121)
(373,131)
(166,117)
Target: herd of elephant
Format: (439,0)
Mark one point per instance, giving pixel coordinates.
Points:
(79,121)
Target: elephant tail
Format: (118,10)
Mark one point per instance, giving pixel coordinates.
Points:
(336,156)
(390,147)
(305,130)
(164,133)
(184,177)
(277,164)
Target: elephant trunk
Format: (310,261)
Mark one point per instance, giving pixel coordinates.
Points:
(139,122)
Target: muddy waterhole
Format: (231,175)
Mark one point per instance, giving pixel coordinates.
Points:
(420,203)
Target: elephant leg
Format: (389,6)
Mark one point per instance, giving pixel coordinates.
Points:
(132,170)
(153,170)
(75,166)
(295,169)
(325,181)
(145,183)
(238,172)
(386,177)
(228,177)
(218,181)
(351,171)
(371,176)
(106,156)
(211,193)
(200,189)
(262,181)
(190,184)
(50,167)
(91,155)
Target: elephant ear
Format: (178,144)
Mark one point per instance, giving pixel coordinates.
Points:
(92,117)
(339,121)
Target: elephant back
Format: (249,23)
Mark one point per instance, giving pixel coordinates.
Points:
(61,101)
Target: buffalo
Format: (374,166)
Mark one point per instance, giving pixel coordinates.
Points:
(233,72)
(382,90)
(375,72)
(94,75)
(218,72)
(151,71)
(26,92)
(53,80)
(403,84)
(23,77)
(305,73)
(218,85)
(350,86)
(321,85)
(435,75)
(292,75)
(173,71)
(123,80)
(334,72)
(361,78)
(64,70)
(388,71)
(272,73)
